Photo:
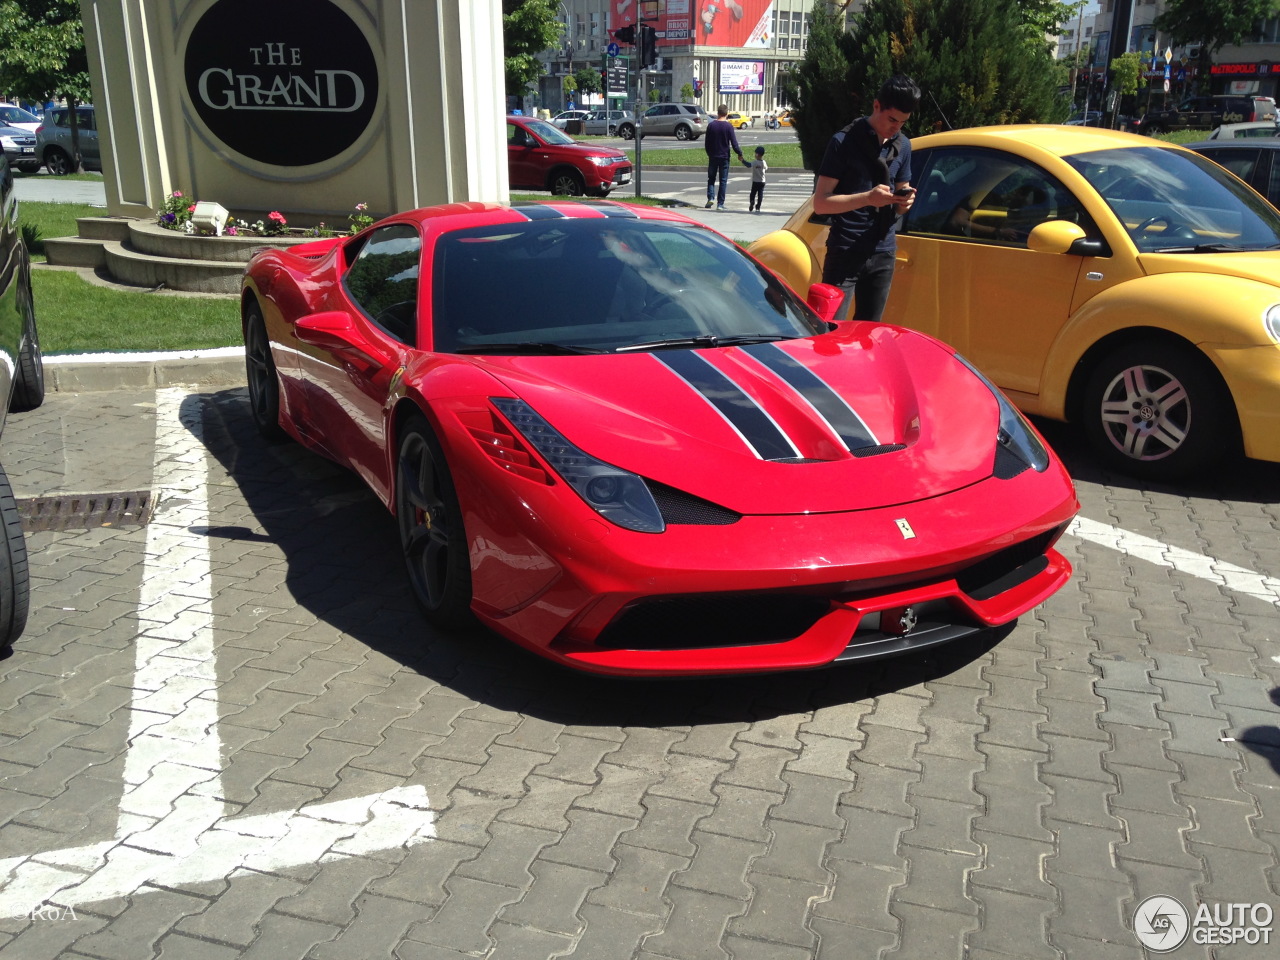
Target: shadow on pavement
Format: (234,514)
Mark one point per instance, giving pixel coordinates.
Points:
(342,554)
(1252,481)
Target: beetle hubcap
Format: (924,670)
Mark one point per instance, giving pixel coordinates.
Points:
(1146,413)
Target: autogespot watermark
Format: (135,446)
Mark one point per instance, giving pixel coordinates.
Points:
(1163,924)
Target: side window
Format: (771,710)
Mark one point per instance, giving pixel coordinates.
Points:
(1239,162)
(383,280)
(517,137)
(987,196)
(1273,184)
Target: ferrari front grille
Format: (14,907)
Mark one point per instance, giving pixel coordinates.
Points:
(1004,570)
(678,507)
(701,621)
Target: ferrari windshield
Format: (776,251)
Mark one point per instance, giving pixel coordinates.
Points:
(604,284)
(1179,202)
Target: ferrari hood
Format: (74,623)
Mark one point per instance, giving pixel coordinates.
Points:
(871,417)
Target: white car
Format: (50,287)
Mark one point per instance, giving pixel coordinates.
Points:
(1253,128)
(561,119)
(11,116)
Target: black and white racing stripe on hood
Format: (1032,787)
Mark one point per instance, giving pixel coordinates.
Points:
(829,405)
(758,430)
(747,418)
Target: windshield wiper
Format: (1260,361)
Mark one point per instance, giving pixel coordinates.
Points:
(527,346)
(1204,248)
(706,340)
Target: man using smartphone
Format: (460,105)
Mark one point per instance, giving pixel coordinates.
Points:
(864,184)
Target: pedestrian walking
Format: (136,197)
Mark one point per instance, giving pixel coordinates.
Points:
(720,137)
(864,184)
(758,170)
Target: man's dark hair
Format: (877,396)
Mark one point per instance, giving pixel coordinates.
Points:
(899,93)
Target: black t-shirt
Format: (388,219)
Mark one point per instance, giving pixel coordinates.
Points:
(850,161)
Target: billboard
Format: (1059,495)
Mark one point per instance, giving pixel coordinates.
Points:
(744,23)
(741,76)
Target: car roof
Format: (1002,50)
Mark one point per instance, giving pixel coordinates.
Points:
(1237,143)
(1058,139)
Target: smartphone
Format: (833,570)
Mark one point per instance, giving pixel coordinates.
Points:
(904,191)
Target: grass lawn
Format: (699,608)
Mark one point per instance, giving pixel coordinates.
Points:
(53,220)
(777,155)
(76,316)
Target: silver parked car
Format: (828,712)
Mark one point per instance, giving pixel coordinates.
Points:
(19,147)
(53,139)
(609,123)
(1247,130)
(684,121)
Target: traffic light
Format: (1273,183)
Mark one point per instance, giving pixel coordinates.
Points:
(625,34)
(647,46)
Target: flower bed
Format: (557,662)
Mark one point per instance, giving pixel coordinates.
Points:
(179,211)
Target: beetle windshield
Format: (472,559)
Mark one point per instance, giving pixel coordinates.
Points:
(604,284)
(1179,202)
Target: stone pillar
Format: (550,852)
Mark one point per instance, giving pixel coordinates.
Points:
(303,106)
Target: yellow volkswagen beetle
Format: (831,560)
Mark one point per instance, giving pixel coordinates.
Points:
(1104,278)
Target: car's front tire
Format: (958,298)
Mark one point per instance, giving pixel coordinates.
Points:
(14,583)
(431,532)
(626,131)
(1159,411)
(260,372)
(567,183)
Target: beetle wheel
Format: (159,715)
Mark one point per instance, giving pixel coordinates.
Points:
(1159,411)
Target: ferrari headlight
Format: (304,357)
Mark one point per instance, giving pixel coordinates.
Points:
(1014,433)
(617,495)
(1272,320)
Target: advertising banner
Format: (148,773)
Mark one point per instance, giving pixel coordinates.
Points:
(720,23)
(741,76)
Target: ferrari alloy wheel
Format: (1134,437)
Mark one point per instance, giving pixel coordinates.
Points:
(567,183)
(431,532)
(260,370)
(1159,411)
(57,161)
(683,132)
(14,586)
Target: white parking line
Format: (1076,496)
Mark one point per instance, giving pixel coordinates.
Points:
(1208,568)
(172,825)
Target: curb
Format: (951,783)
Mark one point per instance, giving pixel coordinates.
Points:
(89,373)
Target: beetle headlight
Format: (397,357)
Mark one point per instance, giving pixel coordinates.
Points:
(618,495)
(1271,319)
(1014,433)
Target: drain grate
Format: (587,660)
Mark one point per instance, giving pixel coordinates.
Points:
(81,511)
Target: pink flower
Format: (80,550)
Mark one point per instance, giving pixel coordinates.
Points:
(277,216)
(191,209)
(362,207)
(232,231)
(177,193)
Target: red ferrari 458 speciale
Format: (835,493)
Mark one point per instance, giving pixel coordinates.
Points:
(612,436)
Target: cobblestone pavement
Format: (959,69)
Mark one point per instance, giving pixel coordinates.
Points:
(229,734)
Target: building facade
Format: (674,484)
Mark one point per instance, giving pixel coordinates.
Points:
(1108,28)
(723,51)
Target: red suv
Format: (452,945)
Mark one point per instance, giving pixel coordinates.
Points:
(540,157)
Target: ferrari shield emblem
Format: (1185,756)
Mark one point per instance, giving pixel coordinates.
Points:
(905,529)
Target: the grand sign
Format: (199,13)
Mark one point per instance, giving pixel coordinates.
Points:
(287,83)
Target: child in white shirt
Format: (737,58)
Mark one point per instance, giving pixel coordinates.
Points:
(758,168)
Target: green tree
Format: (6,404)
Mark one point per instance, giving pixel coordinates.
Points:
(686,93)
(42,55)
(976,61)
(570,86)
(1126,75)
(588,80)
(529,27)
(1212,23)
